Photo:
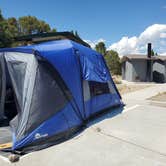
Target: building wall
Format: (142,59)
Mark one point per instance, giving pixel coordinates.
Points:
(127,71)
(123,70)
(159,71)
(139,70)
(165,70)
(136,70)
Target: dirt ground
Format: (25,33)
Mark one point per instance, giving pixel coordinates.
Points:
(126,88)
(123,88)
(159,97)
(117,79)
(158,100)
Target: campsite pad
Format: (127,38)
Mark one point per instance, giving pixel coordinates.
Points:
(5,138)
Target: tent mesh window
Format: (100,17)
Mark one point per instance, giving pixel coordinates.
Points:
(48,97)
(16,77)
(18,70)
(98,88)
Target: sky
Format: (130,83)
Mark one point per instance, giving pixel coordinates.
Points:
(124,25)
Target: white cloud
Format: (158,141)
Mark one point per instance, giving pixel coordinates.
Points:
(93,43)
(156,34)
(100,40)
(163,35)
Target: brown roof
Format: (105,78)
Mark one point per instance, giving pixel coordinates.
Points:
(143,56)
(42,37)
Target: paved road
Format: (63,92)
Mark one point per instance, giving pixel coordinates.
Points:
(135,137)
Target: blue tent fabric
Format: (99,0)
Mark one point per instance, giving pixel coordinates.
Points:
(74,63)
(52,126)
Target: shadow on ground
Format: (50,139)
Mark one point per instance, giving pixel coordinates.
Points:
(106,115)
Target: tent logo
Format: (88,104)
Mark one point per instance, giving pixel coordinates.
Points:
(38,135)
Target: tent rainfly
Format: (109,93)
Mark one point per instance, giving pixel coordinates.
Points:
(57,86)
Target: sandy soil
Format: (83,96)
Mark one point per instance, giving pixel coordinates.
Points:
(117,79)
(123,88)
(159,97)
(126,88)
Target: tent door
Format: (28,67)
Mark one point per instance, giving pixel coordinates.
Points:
(8,108)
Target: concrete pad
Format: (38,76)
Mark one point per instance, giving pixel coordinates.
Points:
(123,140)
(144,126)
(135,137)
(5,135)
(4,161)
(93,148)
(145,93)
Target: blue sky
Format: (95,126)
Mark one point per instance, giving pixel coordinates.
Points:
(110,20)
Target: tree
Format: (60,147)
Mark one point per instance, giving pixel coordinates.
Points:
(154,53)
(1,16)
(75,33)
(12,27)
(27,25)
(31,25)
(5,39)
(113,62)
(1,29)
(43,27)
(53,30)
(101,48)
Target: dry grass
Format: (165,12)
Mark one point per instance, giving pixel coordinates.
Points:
(117,79)
(123,88)
(159,97)
(126,88)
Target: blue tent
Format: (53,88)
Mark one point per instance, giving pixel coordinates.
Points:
(57,87)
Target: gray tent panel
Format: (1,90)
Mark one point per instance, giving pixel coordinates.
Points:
(22,65)
(111,88)
(18,71)
(48,98)
(86,90)
(39,91)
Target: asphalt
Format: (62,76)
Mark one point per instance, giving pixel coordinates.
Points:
(134,136)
